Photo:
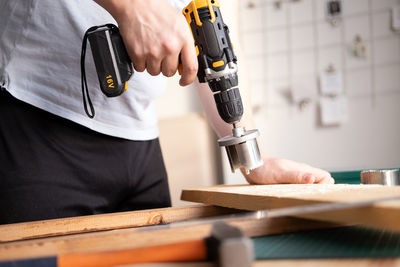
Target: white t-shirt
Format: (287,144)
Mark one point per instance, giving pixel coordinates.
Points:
(40,50)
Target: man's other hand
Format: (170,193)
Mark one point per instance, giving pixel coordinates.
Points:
(283,171)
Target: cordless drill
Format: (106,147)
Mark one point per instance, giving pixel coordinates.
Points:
(217,67)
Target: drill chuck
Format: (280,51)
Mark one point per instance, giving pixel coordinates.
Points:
(229,105)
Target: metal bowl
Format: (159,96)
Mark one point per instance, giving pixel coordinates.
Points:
(384,177)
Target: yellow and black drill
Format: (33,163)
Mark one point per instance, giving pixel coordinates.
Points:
(217,67)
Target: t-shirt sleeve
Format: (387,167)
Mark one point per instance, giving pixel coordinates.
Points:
(179,4)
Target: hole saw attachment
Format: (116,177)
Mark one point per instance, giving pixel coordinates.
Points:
(218,67)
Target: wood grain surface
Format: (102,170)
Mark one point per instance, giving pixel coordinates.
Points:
(110,221)
(130,238)
(384,215)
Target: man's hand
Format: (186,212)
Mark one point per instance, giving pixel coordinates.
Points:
(155,35)
(283,171)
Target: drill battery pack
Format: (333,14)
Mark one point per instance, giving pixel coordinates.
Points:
(113,65)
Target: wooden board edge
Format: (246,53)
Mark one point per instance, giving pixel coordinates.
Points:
(373,216)
(240,201)
(130,238)
(110,221)
(377,216)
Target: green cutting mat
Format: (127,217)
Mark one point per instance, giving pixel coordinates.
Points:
(341,242)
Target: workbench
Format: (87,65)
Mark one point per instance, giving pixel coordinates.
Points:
(282,241)
(277,241)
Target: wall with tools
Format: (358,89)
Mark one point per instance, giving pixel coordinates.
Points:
(325,80)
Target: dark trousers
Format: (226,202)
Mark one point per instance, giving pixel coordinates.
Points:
(51,167)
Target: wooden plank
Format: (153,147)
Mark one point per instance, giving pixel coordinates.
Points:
(110,221)
(137,238)
(259,197)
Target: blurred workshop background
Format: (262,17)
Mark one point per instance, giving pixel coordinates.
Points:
(324,77)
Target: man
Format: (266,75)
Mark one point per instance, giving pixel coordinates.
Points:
(55,161)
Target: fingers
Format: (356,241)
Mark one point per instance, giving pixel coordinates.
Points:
(153,63)
(281,171)
(166,61)
(307,178)
(189,64)
(295,177)
(138,59)
(321,176)
(154,40)
(311,175)
(325,178)
(301,177)
(169,65)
